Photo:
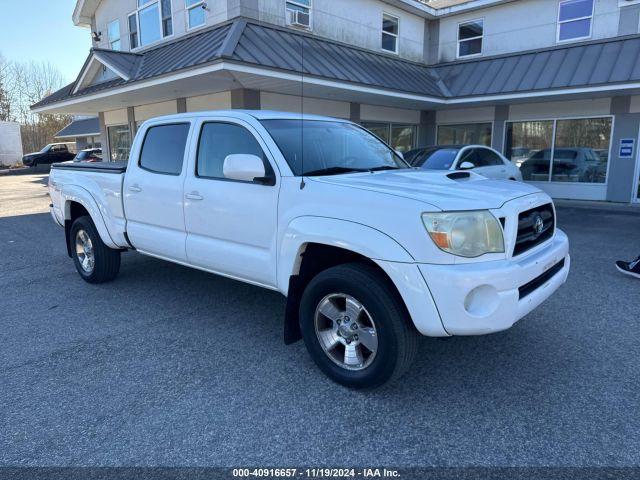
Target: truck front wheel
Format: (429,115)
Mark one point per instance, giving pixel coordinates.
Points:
(355,326)
(94,261)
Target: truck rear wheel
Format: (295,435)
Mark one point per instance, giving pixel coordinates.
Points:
(94,261)
(356,328)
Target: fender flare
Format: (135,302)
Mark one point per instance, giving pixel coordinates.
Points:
(352,236)
(77,194)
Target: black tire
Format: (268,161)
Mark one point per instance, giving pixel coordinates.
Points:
(396,336)
(106,264)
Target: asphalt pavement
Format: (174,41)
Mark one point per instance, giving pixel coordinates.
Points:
(175,367)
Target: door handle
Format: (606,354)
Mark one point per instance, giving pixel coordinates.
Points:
(194,196)
(135,188)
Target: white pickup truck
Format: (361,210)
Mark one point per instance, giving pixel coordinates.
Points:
(369,252)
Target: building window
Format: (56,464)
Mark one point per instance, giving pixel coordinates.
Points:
(298,13)
(470,38)
(151,22)
(574,19)
(113,30)
(167,20)
(195,13)
(133,31)
(400,137)
(390,30)
(465,134)
(119,142)
(566,150)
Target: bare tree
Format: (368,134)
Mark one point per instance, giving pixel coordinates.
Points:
(21,85)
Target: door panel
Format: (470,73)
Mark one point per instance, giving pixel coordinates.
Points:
(153,193)
(231,225)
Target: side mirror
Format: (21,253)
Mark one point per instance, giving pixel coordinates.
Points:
(400,154)
(466,166)
(244,167)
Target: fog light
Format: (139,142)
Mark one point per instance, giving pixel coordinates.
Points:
(482,301)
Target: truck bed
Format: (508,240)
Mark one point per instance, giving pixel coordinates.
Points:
(102,167)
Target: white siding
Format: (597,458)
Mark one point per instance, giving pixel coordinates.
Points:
(465,115)
(574,108)
(315,106)
(356,22)
(145,112)
(375,113)
(214,101)
(116,117)
(523,25)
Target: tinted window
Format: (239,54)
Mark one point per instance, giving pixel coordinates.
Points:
(163,149)
(437,158)
(487,158)
(217,141)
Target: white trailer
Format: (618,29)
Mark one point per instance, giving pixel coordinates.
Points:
(10,144)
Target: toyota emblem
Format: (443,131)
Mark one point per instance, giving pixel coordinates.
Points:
(538,225)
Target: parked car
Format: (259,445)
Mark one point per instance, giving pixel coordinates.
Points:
(369,252)
(52,153)
(577,164)
(482,160)
(91,155)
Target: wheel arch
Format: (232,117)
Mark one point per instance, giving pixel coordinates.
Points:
(78,202)
(313,244)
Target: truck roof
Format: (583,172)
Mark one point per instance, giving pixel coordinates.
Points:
(257,114)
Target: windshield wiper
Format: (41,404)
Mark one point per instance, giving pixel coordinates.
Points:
(383,167)
(333,171)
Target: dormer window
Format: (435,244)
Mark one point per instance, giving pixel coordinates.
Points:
(151,22)
(470,38)
(574,20)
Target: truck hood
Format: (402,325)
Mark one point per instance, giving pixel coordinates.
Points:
(436,188)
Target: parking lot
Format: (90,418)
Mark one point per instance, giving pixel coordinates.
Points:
(172,366)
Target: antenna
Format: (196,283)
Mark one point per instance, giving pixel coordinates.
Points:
(302,183)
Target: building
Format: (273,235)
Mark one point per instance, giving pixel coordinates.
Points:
(10,144)
(83,131)
(553,84)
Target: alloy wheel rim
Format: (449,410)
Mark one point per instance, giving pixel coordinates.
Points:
(346,331)
(84,251)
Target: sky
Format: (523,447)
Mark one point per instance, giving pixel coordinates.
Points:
(43,30)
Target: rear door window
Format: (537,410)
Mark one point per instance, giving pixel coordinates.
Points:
(163,148)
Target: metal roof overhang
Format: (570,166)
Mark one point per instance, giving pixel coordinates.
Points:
(247,54)
(227,75)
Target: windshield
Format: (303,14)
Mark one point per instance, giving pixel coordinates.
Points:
(45,149)
(329,148)
(438,158)
(82,155)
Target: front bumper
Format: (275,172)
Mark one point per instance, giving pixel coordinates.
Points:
(481,298)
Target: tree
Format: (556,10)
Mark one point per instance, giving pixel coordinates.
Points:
(5,104)
(21,85)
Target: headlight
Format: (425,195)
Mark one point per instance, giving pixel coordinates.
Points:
(466,234)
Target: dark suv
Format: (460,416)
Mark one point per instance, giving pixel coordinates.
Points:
(52,153)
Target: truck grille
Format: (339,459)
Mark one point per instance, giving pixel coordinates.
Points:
(534,227)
